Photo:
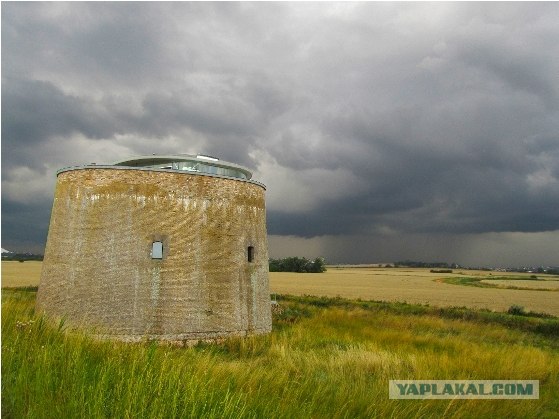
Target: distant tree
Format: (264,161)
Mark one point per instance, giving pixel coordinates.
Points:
(275,265)
(318,265)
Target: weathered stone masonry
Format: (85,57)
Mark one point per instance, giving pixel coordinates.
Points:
(99,272)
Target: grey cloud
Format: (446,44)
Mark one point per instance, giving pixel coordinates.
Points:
(107,45)
(35,110)
(407,118)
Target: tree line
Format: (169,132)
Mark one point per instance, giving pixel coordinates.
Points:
(21,257)
(297,264)
(414,264)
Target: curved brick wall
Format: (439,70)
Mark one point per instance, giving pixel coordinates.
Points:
(98,269)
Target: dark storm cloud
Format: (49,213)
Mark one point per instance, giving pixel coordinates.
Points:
(106,44)
(362,118)
(36,110)
(25,226)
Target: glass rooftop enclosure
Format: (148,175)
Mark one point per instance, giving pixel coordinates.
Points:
(188,163)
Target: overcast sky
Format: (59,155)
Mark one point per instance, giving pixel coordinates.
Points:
(383,131)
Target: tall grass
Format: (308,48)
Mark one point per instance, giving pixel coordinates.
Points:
(325,358)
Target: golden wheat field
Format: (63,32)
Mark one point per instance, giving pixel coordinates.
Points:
(21,274)
(382,284)
(419,286)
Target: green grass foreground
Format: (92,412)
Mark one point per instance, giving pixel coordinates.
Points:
(326,358)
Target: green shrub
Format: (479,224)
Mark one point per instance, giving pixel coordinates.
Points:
(516,310)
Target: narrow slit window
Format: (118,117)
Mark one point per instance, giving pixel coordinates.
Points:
(157,250)
(251,253)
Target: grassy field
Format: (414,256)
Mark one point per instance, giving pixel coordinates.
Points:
(326,358)
(417,286)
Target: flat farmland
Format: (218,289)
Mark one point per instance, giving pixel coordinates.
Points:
(417,286)
(21,274)
(420,286)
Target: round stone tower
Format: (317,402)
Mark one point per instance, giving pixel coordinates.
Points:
(158,247)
